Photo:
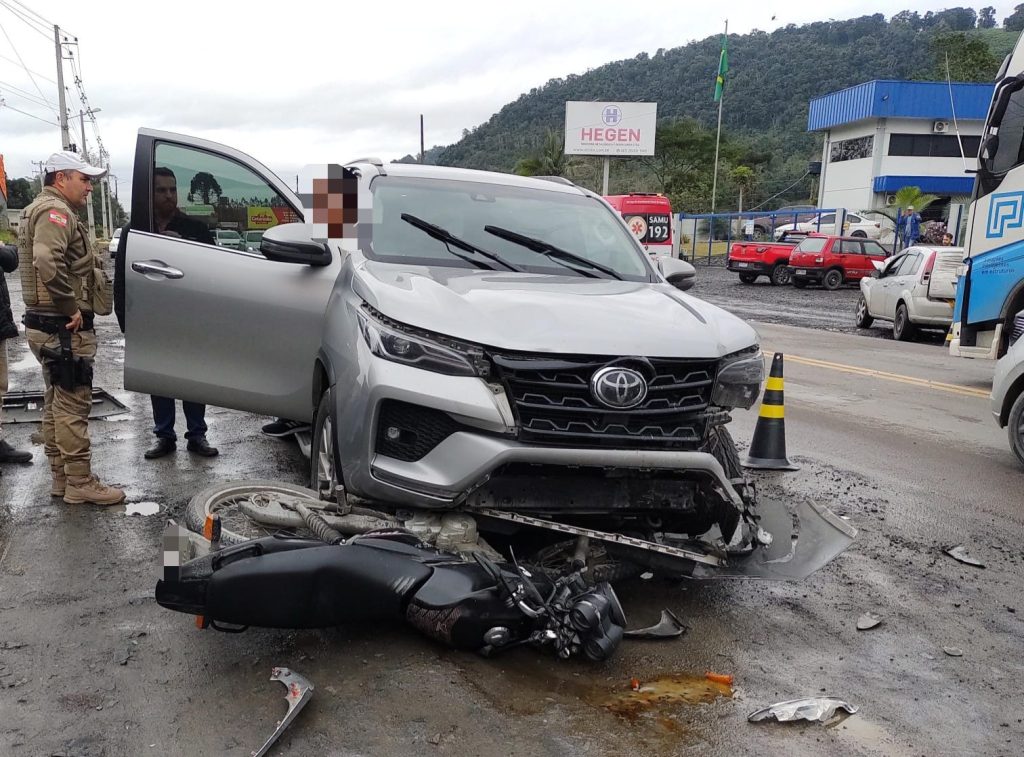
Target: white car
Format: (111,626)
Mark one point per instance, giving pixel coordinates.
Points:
(228,238)
(916,288)
(1008,389)
(112,247)
(855,226)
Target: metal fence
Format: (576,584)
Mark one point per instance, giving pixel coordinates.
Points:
(706,237)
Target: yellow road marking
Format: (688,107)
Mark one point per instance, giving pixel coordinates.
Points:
(772,411)
(774,384)
(966,391)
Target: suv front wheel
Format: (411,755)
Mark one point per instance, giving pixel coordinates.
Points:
(324,469)
(1015,427)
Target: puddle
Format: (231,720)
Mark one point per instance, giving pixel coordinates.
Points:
(141,508)
(660,694)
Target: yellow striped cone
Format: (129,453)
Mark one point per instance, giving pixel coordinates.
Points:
(768,448)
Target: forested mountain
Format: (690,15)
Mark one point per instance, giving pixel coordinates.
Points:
(772,77)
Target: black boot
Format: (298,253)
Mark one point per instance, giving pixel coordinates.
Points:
(199,446)
(162,447)
(9,454)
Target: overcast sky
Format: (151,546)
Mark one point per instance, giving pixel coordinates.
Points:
(293,83)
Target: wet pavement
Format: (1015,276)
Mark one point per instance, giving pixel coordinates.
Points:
(90,665)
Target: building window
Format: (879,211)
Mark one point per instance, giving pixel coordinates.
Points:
(850,149)
(932,145)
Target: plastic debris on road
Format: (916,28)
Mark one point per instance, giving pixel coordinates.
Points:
(821,709)
(953,651)
(722,678)
(867,621)
(669,627)
(959,554)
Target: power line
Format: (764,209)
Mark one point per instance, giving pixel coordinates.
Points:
(22,93)
(41,76)
(30,115)
(49,25)
(32,24)
(24,66)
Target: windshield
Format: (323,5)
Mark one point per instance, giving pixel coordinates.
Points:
(811,244)
(578,224)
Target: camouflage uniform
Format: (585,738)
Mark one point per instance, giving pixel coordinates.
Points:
(58,278)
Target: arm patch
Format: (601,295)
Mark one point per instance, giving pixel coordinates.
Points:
(58,218)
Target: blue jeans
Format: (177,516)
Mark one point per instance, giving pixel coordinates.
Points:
(163,418)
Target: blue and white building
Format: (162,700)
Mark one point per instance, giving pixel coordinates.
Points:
(883,135)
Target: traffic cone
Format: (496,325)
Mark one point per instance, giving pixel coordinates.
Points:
(768,448)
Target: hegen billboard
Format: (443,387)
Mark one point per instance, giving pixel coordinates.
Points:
(610,128)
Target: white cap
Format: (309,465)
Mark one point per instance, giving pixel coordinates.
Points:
(910,207)
(70,161)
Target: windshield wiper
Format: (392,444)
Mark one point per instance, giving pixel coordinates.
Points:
(548,249)
(450,240)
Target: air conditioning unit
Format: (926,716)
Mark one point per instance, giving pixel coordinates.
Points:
(890,200)
(940,127)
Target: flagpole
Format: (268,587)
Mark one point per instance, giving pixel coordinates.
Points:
(718,137)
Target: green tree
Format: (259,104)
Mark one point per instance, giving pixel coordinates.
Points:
(551,160)
(20,192)
(987,18)
(205,186)
(1015,21)
(970,59)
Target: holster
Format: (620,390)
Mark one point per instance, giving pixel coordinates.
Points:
(66,369)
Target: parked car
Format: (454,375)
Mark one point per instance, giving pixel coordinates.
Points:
(112,247)
(833,261)
(855,226)
(491,341)
(916,288)
(1008,389)
(788,214)
(228,238)
(771,259)
(253,240)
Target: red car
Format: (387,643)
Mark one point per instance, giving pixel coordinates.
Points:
(771,259)
(834,261)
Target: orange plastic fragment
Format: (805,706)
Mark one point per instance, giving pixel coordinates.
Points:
(634,683)
(724,678)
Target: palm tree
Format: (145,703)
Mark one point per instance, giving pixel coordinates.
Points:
(913,197)
(550,161)
(743,177)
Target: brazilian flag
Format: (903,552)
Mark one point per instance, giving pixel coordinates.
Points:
(723,69)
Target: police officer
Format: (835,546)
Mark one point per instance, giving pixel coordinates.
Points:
(8,330)
(63,285)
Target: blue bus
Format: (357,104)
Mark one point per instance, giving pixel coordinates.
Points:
(990,291)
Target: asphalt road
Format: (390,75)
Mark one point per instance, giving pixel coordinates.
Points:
(898,438)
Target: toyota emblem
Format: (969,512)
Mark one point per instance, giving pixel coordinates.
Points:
(620,388)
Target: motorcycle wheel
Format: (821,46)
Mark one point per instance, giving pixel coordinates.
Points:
(224,499)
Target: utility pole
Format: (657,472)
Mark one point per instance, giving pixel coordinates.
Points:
(423,156)
(88,204)
(65,135)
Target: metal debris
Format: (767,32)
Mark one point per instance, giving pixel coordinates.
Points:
(669,627)
(959,554)
(953,651)
(821,709)
(867,621)
(299,693)
(27,407)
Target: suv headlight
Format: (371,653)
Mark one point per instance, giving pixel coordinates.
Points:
(739,379)
(432,352)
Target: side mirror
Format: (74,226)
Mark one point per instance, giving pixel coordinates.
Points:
(678,273)
(293,243)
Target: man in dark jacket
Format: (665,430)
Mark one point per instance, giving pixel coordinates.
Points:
(8,330)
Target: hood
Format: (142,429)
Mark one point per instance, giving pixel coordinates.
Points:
(552,314)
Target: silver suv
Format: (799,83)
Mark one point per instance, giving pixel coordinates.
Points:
(486,341)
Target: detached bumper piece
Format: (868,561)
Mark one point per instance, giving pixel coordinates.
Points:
(481,606)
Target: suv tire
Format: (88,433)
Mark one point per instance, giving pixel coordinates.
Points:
(1015,428)
(863,318)
(780,275)
(902,329)
(833,279)
(324,467)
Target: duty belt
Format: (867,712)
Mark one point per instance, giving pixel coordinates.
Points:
(51,324)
